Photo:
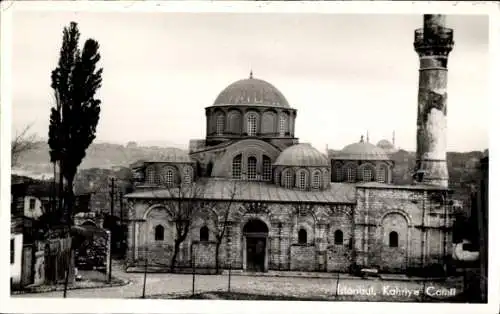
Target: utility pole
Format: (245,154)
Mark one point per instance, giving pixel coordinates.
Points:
(121,208)
(112,194)
(112,220)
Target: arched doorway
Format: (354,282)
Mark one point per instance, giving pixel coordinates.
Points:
(255,234)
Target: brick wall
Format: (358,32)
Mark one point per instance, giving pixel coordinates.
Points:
(204,254)
(420,218)
(303,257)
(338,258)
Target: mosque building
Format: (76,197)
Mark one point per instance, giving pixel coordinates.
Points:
(283,204)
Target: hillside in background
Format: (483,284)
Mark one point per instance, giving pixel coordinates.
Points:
(100,155)
(104,160)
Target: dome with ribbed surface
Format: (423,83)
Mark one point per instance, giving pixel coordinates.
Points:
(301,155)
(361,151)
(253,92)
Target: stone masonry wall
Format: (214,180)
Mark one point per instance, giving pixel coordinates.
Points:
(416,215)
(419,216)
(303,257)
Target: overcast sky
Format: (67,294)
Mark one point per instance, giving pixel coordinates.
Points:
(345,74)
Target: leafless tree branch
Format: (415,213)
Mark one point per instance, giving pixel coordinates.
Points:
(23,142)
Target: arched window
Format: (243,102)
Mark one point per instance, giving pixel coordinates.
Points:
(338,237)
(252,125)
(393,239)
(381,174)
(266,168)
(302,180)
(288,179)
(169,177)
(338,173)
(367,174)
(187,174)
(252,168)
(150,175)
(350,174)
(204,234)
(302,236)
(159,233)
(237,167)
(219,124)
(282,125)
(316,180)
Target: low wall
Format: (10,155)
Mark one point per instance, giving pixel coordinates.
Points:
(303,257)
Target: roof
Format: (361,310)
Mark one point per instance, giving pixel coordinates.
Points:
(34,188)
(302,155)
(220,189)
(377,185)
(169,154)
(251,91)
(361,151)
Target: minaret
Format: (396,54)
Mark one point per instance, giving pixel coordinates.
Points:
(394,139)
(367,137)
(433,44)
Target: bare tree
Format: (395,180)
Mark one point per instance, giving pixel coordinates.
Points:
(221,225)
(23,142)
(187,201)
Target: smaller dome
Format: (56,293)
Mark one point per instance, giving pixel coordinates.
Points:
(385,144)
(171,154)
(302,155)
(362,151)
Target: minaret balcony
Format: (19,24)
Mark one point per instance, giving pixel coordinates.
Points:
(442,41)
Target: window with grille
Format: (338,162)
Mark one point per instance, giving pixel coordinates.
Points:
(367,174)
(302,180)
(338,237)
(266,169)
(219,124)
(169,177)
(150,175)
(252,168)
(316,180)
(338,173)
(252,125)
(237,167)
(32,203)
(282,125)
(302,236)
(381,174)
(288,179)
(204,234)
(350,174)
(393,239)
(159,233)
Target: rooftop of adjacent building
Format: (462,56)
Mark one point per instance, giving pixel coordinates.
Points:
(362,150)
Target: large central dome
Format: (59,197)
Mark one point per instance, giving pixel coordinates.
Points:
(253,92)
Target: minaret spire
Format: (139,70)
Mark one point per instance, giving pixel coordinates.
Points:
(251,73)
(394,138)
(433,43)
(367,137)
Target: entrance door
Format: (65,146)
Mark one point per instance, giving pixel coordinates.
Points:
(255,234)
(256,254)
